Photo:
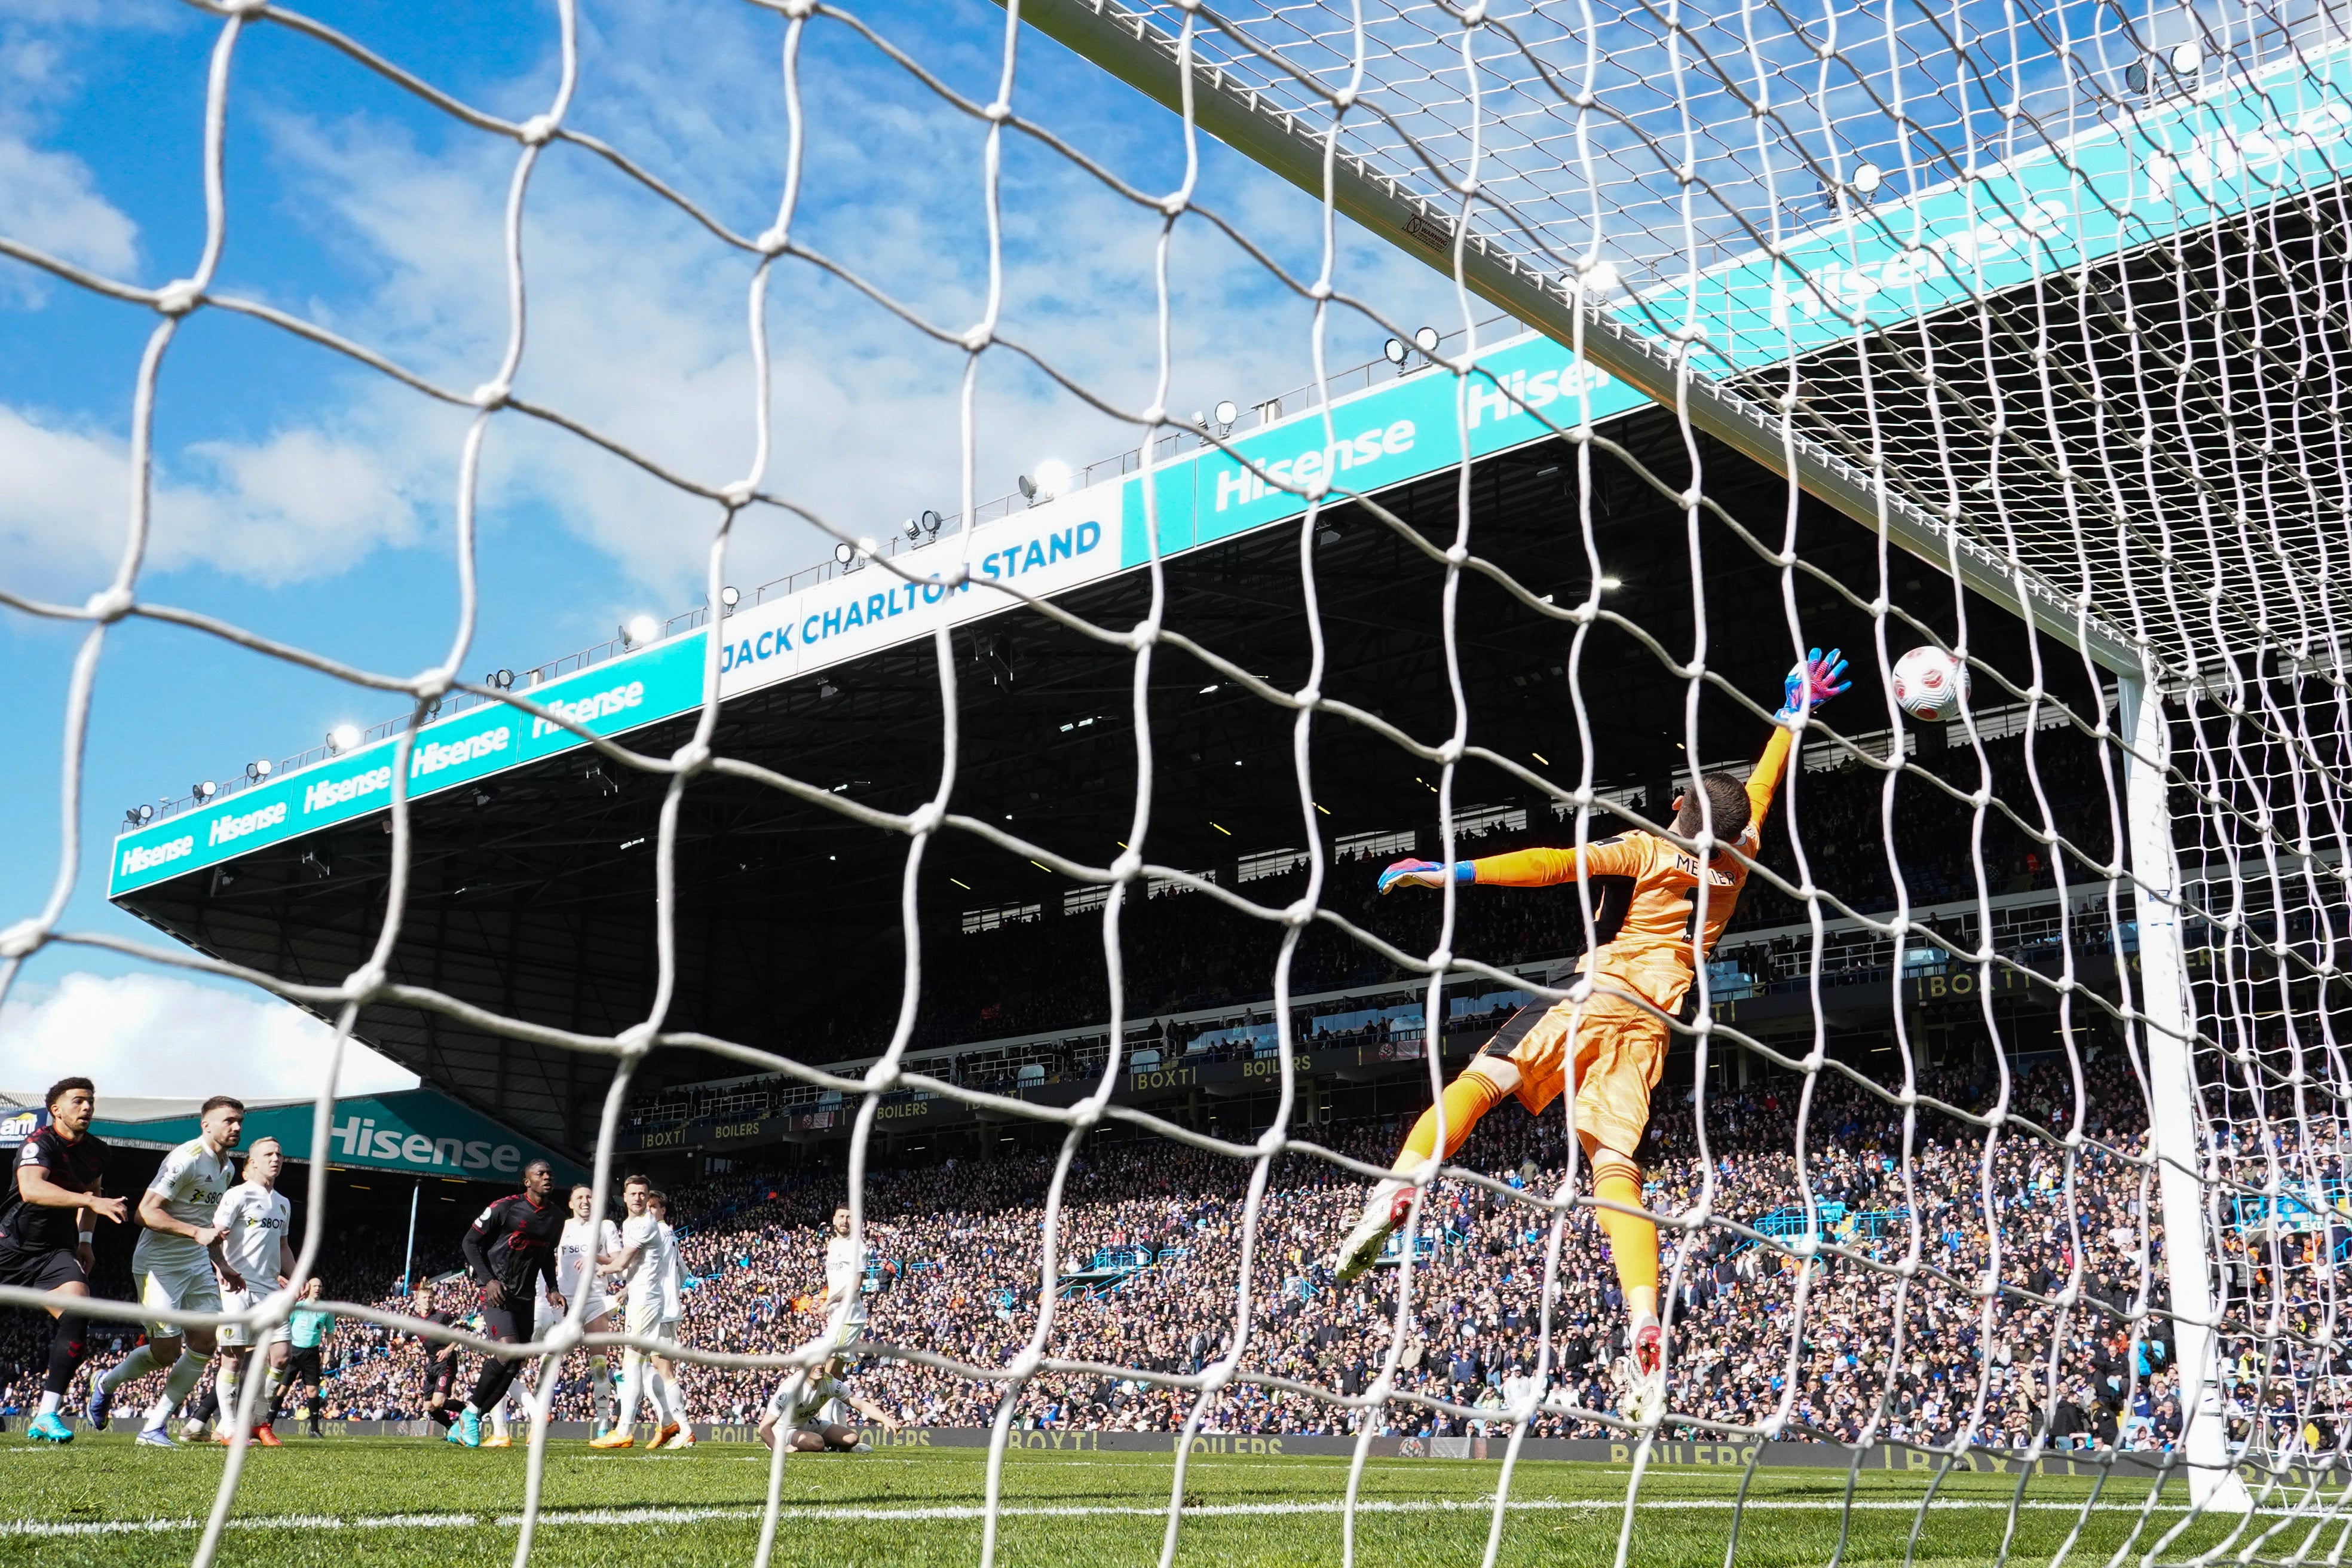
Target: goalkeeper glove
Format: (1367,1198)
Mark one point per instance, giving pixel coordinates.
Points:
(1812,681)
(1426,874)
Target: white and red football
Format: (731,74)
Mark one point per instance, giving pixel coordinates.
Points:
(1929,684)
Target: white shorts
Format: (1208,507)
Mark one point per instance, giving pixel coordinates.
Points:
(236,1335)
(189,1288)
(548,1317)
(846,1335)
(644,1317)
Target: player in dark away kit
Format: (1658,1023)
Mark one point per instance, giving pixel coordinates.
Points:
(45,1234)
(510,1249)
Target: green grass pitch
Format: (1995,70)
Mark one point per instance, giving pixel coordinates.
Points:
(343,1502)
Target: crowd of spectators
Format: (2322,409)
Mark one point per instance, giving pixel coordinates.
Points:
(1842,1344)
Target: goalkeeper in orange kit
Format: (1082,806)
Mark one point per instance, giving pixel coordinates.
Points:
(1610,1046)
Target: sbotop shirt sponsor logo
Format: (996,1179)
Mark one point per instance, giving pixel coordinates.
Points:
(228,830)
(328,793)
(147,857)
(435,756)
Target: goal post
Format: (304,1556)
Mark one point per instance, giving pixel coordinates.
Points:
(2167,1026)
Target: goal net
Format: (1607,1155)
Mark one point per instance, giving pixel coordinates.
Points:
(2002,1126)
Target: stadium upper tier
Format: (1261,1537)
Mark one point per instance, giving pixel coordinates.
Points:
(532,893)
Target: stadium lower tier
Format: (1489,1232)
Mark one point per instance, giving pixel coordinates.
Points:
(1153,1240)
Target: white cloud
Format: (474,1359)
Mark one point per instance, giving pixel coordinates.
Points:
(162,1037)
(49,201)
(302,503)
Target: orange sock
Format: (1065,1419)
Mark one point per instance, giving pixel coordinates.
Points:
(1632,1240)
(1467,1098)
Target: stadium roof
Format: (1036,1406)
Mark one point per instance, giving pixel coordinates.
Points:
(531,892)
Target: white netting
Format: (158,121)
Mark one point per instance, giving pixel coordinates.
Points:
(2051,300)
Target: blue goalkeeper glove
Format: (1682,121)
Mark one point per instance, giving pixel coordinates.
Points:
(1426,874)
(1814,681)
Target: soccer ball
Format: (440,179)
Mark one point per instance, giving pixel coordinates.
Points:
(1930,683)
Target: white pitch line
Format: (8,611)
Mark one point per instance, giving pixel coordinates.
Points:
(953,1513)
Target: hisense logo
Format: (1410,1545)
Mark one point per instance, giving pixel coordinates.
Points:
(342,792)
(586,711)
(435,756)
(146,857)
(228,830)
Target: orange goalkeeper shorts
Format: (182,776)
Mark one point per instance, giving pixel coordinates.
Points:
(1619,1051)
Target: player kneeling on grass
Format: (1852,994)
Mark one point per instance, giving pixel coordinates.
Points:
(807,1406)
(253,1218)
(178,1264)
(1610,1043)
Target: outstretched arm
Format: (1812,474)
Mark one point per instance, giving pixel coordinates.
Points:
(1520,868)
(1817,678)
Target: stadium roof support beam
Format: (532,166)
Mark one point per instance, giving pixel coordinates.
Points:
(1129,47)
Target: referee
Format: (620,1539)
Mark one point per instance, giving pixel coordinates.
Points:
(306,1331)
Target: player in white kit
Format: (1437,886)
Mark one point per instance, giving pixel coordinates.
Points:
(673,1316)
(253,1217)
(844,1305)
(174,1265)
(640,1266)
(813,1414)
(587,1248)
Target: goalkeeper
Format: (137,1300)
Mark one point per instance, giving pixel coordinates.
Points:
(1612,1045)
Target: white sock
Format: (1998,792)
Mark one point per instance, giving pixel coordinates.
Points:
(633,1381)
(658,1392)
(268,1399)
(600,1380)
(138,1364)
(675,1398)
(49,1403)
(229,1382)
(499,1419)
(186,1372)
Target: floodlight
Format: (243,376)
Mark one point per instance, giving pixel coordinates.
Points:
(641,629)
(1609,582)
(140,816)
(502,679)
(1394,350)
(1227,412)
(343,737)
(204,791)
(1425,340)
(730,597)
(1028,487)
(1867,178)
(1053,478)
(259,769)
(2186,57)
(845,553)
(931,522)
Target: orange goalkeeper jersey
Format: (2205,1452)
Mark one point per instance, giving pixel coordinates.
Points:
(1646,891)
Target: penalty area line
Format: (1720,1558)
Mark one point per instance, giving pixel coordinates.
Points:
(966,1512)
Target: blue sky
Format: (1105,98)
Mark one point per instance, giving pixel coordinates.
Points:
(313,500)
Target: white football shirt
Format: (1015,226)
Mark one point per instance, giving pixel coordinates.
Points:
(192,1180)
(576,1255)
(254,1220)
(643,1233)
(815,1395)
(672,1276)
(845,1277)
